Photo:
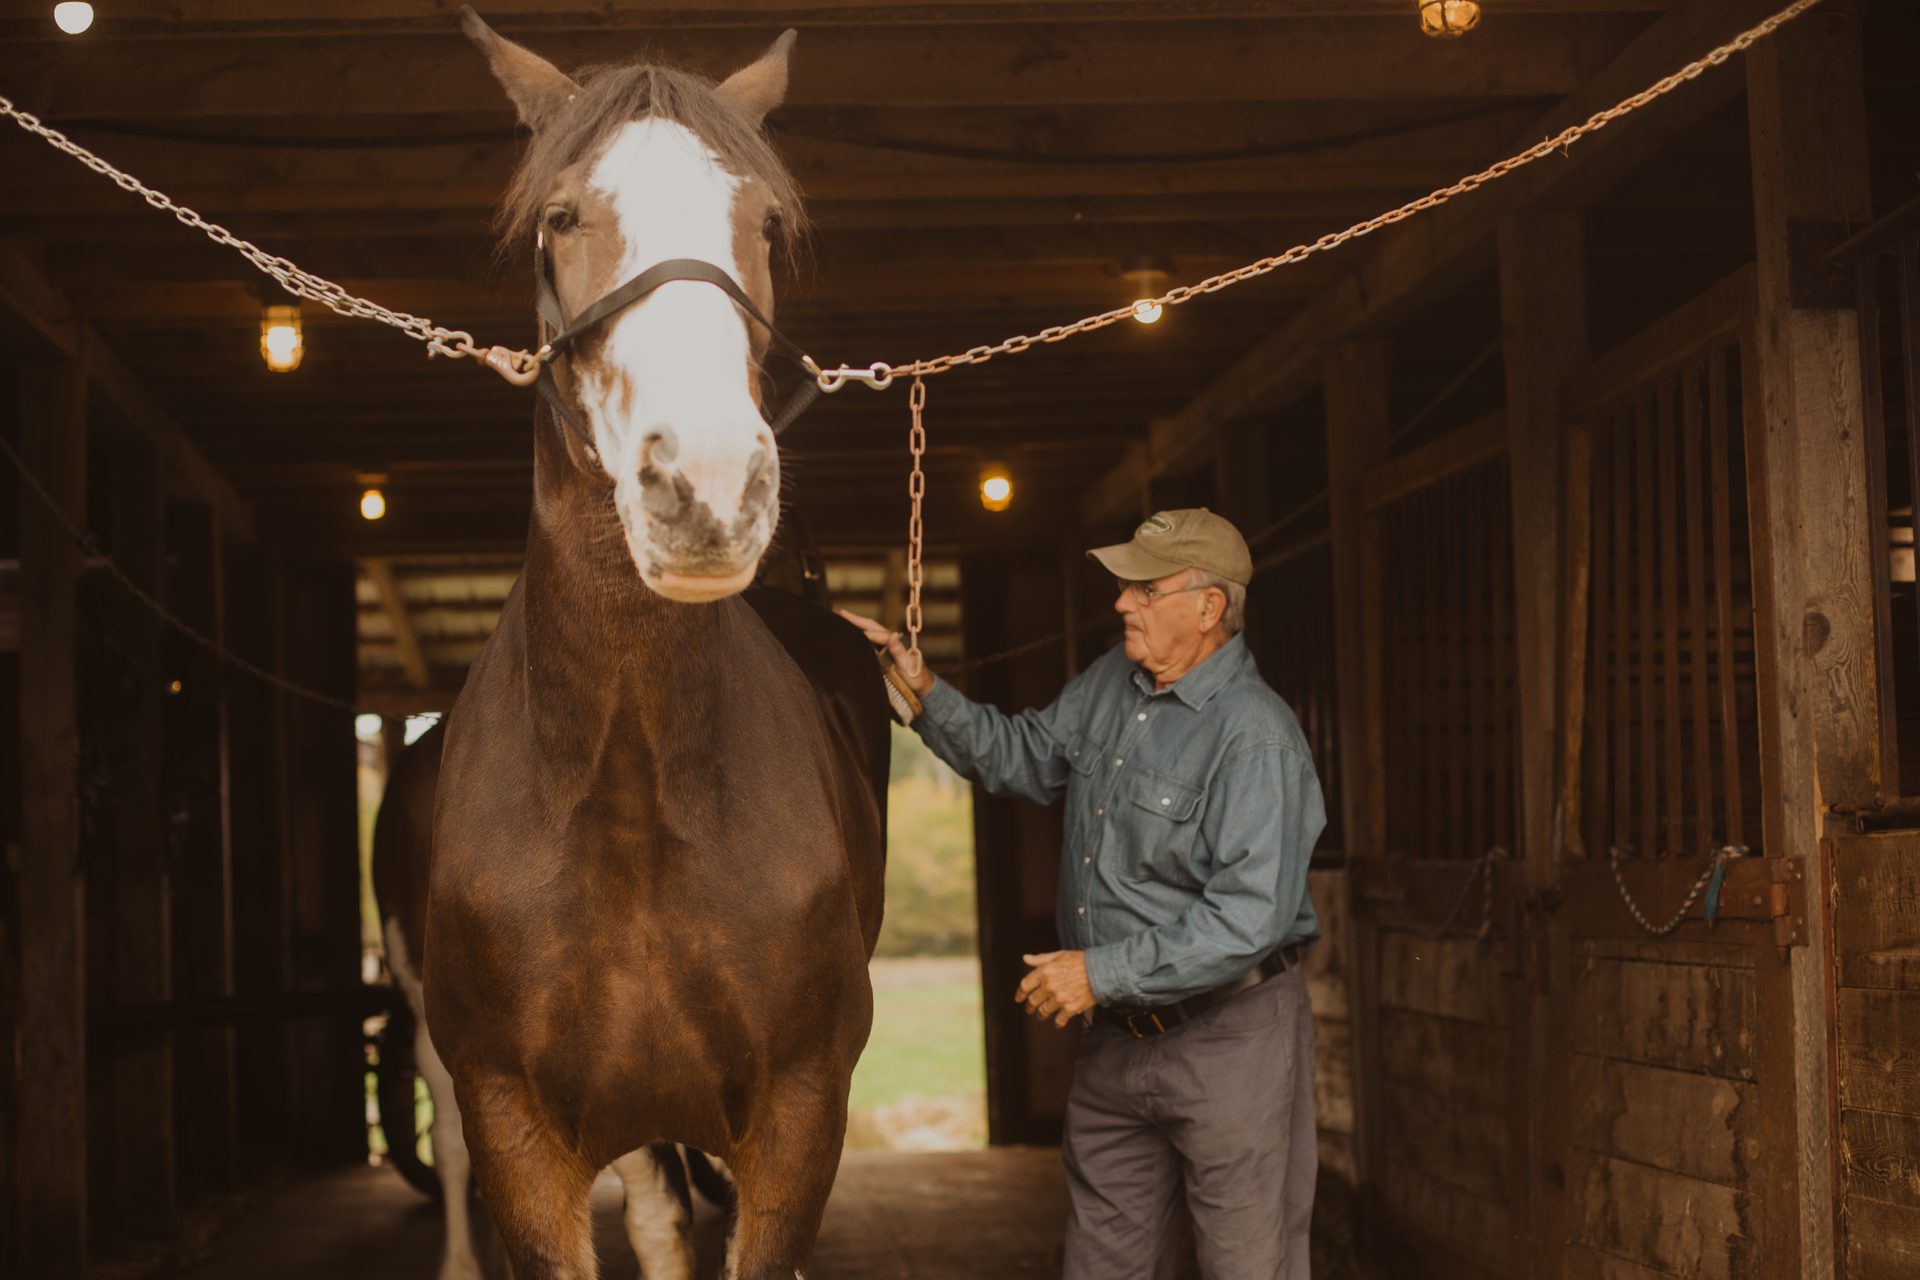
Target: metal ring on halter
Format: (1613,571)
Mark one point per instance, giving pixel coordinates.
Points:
(879,377)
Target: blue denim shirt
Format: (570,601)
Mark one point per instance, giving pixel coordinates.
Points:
(1191,813)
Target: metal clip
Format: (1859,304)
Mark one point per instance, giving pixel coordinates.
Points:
(508,364)
(877,378)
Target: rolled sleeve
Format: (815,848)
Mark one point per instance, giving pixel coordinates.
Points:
(1264,812)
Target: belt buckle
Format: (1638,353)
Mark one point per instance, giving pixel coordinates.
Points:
(1138,1034)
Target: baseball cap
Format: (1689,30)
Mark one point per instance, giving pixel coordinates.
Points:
(1169,541)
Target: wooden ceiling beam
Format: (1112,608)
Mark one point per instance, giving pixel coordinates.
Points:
(1299,60)
(405,638)
(282,18)
(1411,261)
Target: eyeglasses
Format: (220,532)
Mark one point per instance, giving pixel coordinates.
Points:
(1146,593)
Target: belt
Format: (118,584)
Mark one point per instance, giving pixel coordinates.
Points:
(1145,1021)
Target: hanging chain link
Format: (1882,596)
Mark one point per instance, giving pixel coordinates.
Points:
(916,530)
(1483,872)
(521,366)
(454,343)
(1720,858)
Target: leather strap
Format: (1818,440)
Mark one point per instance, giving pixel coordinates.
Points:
(1147,1021)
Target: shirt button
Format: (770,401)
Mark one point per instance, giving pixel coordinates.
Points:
(1099,813)
(1118,763)
(1086,862)
(1166,800)
(1081,910)
(1141,716)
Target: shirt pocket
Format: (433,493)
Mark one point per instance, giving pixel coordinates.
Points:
(1082,753)
(1164,824)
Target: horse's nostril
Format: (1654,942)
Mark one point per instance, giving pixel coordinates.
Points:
(659,445)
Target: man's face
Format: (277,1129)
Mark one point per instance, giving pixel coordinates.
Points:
(1162,618)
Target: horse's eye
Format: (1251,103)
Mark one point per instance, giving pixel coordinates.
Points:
(560,219)
(771,228)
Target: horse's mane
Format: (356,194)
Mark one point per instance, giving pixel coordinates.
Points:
(610,97)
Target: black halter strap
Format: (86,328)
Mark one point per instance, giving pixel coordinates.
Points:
(547,304)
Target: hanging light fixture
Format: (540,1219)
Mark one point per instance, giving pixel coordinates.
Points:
(281,345)
(73,16)
(1448,18)
(1147,278)
(373,499)
(996,487)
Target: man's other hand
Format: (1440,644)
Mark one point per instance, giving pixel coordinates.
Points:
(1056,987)
(908,664)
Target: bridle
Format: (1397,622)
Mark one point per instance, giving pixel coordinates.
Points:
(553,322)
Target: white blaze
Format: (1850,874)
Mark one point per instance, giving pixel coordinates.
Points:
(684,347)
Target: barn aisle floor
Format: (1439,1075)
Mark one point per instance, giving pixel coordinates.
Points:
(974,1215)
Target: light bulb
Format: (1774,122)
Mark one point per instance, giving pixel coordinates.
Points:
(1147,311)
(73,16)
(996,487)
(281,345)
(373,504)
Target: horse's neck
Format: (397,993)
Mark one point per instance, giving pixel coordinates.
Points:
(606,659)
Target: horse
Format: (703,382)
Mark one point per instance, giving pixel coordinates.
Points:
(657,1180)
(658,835)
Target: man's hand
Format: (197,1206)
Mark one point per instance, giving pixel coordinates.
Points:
(909,665)
(1057,986)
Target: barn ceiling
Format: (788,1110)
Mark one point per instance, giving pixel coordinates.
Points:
(975,169)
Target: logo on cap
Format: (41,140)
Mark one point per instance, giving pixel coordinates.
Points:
(1154,525)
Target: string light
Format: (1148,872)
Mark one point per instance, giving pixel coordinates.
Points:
(281,345)
(1147,311)
(1448,18)
(996,487)
(373,504)
(73,16)
(1148,276)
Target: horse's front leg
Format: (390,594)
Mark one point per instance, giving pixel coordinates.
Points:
(536,1186)
(784,1166)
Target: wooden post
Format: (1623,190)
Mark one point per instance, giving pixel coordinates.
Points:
(1357,428)
(125,729)
(50,1163)
(1821,738)
(1543,312)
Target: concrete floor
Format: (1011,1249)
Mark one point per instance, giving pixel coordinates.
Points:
(975,1215)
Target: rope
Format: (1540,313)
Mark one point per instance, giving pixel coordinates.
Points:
(90,548)
(458,344)
(1720,858)
(1482,871)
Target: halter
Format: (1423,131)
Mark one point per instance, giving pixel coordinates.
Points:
(553,320)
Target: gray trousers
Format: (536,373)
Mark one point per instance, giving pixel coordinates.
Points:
(1221,1108)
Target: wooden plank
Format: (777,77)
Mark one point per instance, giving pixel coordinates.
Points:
(1580,753)
(1880,1156)
(1444,1058)
(405,638)
(1883,1240)
(1661,1220)
(1458,1145)
(1679,1121)
(1686,1017)
(1818,682)
(1420,254)
(1430,464)
(1333,1075)
(1876,915)
(1879,1050)
(1590,1264)
(50,1121)
(1303,60)
(1448,977)
(1468,1224)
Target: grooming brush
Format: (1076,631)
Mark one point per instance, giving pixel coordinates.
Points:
(900,695)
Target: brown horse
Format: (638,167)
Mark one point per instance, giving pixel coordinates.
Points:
(658,838)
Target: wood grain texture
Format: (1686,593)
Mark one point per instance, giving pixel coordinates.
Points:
(1661,1220)
(1882,1240)
(1880,1154)
(1682,1016)
(1463,1147)
(1680,1121)
(1444,1058)
(1465,1223)
(1448,977)
(1590,1264)
(1876,918)
(1879,1050)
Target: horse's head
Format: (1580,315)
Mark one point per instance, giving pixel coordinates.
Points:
(630,167)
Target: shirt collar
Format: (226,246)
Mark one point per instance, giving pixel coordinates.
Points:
(1205,680)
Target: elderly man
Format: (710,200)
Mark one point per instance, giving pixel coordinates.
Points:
(1191,809)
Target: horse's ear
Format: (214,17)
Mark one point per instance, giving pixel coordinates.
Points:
(759,88)
(538,88)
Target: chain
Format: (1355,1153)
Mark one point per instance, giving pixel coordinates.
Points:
(1720,857)
(522,367)
(1482,871)
(453,343)
(916,530)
